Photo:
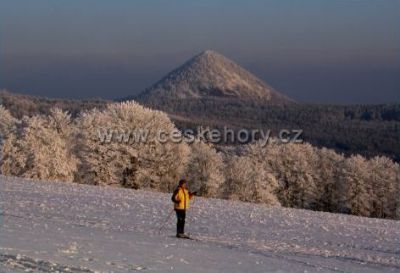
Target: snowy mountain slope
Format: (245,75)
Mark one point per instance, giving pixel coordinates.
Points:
(80,228)
(211,75)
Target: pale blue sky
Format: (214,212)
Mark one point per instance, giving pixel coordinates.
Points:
(312,50)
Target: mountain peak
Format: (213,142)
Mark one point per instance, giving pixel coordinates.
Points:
(208,58)
(213,76)
(209,53)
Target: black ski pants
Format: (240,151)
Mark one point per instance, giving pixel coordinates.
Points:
(180,224)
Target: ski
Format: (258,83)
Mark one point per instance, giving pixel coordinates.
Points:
(188,237)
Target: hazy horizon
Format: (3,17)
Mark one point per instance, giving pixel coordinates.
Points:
(313,51)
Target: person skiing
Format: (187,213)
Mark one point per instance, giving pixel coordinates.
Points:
(181,198)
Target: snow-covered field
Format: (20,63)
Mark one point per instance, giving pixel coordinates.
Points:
(49,227)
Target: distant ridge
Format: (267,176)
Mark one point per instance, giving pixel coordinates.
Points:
(210,75)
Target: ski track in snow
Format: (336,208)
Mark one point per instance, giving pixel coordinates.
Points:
(63,227)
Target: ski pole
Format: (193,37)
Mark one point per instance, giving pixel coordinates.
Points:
(166,221)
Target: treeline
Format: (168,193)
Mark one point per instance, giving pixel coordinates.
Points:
(61,147)
(21,105)
(304,176)
(369,130)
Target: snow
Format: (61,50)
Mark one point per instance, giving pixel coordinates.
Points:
(64,227)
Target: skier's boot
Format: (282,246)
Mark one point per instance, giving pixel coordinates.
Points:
(182,236)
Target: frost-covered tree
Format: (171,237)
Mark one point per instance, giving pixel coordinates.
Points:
(7,122)
(8,125)
(247,179)
(354,190)
(205,169)
(383,181)
(328,175)
(294,167)
(398,193)
(119,146)
(40,149)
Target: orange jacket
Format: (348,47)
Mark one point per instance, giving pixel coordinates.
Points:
(182,198)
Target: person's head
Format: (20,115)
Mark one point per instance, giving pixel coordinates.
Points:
(183,183)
